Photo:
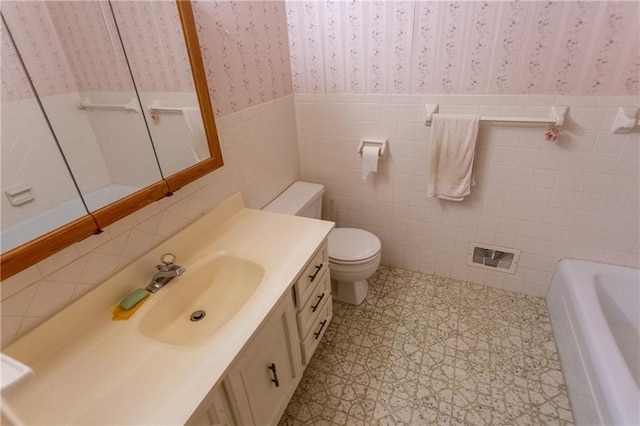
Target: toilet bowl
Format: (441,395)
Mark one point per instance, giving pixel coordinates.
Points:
(354,254)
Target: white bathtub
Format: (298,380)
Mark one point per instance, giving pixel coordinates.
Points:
(62,214)
(595,314)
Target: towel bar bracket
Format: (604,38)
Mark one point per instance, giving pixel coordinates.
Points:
(625,120)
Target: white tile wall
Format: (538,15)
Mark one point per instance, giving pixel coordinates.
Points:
(123,139)
(261,160)
(576,197)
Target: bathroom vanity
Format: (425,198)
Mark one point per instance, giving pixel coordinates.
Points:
(284,344)
(239,365)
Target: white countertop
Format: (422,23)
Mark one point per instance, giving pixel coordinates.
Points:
(92,370)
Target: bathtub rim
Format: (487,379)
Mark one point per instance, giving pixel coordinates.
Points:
(613,391)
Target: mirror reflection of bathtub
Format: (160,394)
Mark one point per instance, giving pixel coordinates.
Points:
(32,227)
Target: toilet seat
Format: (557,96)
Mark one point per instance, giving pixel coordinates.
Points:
(350,246)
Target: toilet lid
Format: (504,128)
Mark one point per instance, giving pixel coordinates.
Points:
(350,244)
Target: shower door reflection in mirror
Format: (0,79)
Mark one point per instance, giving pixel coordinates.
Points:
(38,192)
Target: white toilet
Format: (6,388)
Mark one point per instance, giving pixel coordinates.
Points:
(354,254)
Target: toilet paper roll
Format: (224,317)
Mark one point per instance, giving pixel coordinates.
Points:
(369,160)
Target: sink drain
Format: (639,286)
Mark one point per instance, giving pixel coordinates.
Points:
(197,315)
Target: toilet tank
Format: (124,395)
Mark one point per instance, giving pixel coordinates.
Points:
(299,199)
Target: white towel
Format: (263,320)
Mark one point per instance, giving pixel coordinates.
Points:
(451,154)
(199,145)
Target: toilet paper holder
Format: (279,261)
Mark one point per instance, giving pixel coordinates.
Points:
(382,145)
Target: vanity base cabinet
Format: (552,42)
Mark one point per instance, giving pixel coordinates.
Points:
(262,378)
(268,370)
(213,411)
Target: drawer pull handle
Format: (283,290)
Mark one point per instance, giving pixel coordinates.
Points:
(313,277)
(322,324)
(314,307)
(275,380)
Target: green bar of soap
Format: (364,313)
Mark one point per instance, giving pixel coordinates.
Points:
(133,298)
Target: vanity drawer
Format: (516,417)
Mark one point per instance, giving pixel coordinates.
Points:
(311,309)
(318,328)
(311,275)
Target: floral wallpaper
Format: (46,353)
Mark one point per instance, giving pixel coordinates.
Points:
(14,80)
(245,52)
(41,51)
(72,45)
(89,39)
(153,38)
(493,47)
(257,51)
(151,34)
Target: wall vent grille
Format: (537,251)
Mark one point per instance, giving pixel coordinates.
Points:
(495,258)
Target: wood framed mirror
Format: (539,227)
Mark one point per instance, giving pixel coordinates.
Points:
(25,255)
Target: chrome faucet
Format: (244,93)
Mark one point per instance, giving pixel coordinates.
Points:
(167,270)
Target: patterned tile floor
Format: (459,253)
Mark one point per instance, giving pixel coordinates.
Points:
(425,350)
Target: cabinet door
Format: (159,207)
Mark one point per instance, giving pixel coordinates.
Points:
(267,372)
(213,411)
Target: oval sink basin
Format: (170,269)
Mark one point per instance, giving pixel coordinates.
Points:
(193,306)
